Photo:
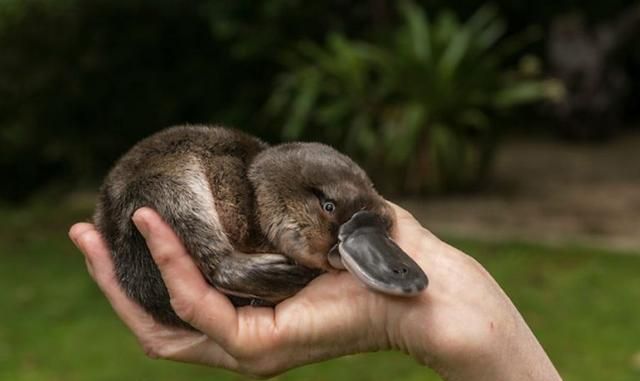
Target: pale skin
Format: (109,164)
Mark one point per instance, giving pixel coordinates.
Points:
(463,326)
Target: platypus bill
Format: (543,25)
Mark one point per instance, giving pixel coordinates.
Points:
(260,222)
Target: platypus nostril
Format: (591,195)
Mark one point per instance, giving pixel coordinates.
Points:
(401,271)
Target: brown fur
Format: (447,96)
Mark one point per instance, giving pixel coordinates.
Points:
(268,201)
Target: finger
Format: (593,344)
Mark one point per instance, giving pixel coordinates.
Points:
(407,225)
(157,341)
(78,230)
(102,270)
(191,296)
(186,346)
(76,234)
(412,237)
(401,213)
(207,353)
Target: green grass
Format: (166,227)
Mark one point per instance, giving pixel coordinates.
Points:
(583,304)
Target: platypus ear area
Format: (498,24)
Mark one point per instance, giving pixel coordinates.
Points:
(375,259)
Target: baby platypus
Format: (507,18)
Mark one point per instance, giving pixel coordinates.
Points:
(259,221)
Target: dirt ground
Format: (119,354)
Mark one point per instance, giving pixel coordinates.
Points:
(550,192)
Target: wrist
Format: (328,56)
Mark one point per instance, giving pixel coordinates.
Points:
(463,346)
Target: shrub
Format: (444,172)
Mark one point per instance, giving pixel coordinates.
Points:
(426,105)
(81,81)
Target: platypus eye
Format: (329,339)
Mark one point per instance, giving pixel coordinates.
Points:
(328,206)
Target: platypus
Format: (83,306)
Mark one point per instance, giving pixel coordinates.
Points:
(260,221)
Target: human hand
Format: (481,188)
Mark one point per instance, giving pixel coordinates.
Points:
(463,325)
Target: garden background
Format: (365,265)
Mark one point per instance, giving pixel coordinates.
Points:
(510,129)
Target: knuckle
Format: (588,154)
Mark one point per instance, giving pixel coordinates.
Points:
(156,348)
(184,309)
(264,364)
(244,354)
(277,340)
(474,265)
(258,361)
(162,257)
(151,350)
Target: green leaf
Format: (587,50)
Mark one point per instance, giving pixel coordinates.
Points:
(475,118)
(489,36)
(454,53)
(447,25)
(403,130)
(520,93)
(438,83)
(307,94)
(419,30)
(482,18)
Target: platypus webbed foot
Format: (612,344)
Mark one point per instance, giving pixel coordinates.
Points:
(271,277)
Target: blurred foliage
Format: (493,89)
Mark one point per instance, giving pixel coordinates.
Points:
(423,105)
(81,81)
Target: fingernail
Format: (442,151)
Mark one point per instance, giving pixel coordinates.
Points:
(141,223)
